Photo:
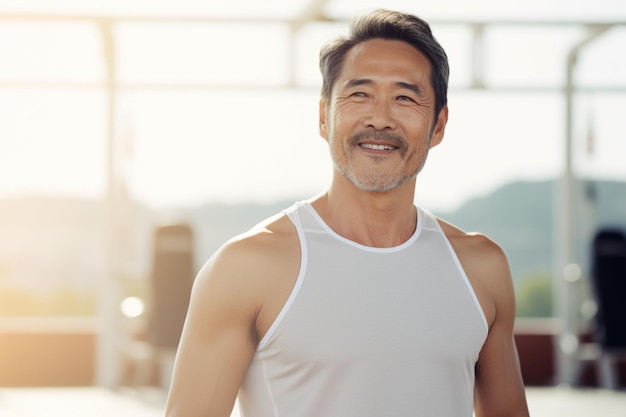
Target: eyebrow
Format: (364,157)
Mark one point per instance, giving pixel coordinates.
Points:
(402,84)
(412,87)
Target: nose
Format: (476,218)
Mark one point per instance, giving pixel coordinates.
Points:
(380,116)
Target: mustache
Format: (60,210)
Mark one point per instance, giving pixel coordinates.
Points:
(379,135)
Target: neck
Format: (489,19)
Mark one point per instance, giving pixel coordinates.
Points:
(372,219)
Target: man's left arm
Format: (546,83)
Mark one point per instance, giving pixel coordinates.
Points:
(499,389)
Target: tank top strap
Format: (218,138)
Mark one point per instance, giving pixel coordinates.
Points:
(293,213)
(427,220)
(304,216)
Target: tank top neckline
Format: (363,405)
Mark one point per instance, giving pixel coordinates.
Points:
(326,228)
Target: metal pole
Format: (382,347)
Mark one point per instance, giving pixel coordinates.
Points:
(478,56)
(567,271)
(108,355)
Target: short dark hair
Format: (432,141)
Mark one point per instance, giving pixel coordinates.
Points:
(391,25)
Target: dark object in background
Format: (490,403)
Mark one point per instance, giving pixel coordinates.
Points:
(609,282)
(171,278)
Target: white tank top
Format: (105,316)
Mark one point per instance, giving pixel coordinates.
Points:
(369,332)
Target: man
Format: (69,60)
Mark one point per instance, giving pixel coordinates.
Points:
(356,302)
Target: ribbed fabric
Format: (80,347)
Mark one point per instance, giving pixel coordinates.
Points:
(369,332)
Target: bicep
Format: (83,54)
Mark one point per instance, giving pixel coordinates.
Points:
(216,345)
(499,387)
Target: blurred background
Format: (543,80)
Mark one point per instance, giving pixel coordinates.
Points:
(137,136)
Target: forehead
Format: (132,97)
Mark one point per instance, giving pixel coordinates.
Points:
(386,60)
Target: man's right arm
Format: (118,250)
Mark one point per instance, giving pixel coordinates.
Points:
(219,338)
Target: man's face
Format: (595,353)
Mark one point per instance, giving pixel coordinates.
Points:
(380,120)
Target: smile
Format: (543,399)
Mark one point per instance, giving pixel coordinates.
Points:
(377,147)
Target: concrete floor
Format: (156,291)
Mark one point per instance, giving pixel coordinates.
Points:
(99,402)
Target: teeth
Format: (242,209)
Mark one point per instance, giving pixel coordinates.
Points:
(376,147)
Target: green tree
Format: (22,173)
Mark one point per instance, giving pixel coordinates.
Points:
(534,297)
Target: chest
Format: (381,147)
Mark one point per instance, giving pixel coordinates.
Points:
(355,307)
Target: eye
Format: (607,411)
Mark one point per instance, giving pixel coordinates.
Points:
(359,94)
(405,98)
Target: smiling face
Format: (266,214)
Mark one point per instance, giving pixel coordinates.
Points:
(380,120)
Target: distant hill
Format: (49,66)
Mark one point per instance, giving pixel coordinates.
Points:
(45,241)
(520,216)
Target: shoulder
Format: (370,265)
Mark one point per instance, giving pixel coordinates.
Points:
(273,234)
(486,266)
(246,256)
(473,244)
(244,270)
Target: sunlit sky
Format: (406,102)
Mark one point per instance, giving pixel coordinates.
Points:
(250,139)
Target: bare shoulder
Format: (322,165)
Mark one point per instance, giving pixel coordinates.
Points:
(474,245)
(254,255)
(268,238)
(254,272)
(486,266)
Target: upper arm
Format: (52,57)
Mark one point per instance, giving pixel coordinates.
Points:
(499,389)
(218,339)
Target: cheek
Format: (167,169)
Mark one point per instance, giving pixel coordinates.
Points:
(346,114)
(419,150)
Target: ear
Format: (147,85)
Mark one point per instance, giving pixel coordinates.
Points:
(323,126)
(440,127)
